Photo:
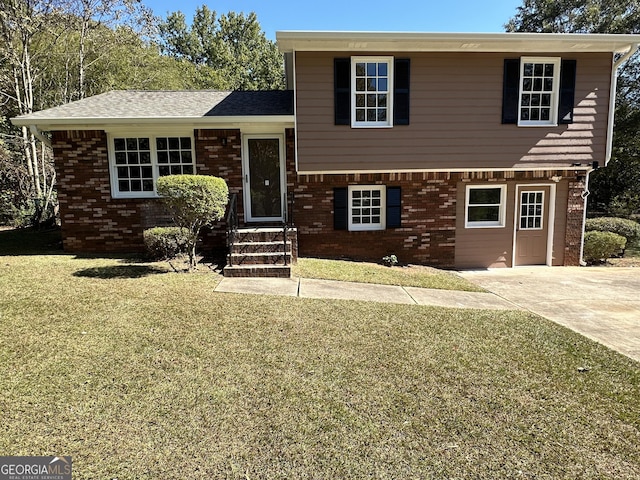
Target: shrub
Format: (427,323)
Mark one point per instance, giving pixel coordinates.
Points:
(166,242)
(599,246)
(629,229)
(195,201)
(390,260)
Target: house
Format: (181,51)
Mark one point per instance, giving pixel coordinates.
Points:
(452,150)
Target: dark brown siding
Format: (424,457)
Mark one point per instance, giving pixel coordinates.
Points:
(456,113)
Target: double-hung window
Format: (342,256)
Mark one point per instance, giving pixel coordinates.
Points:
(485,206)
(367,207)
(539,86)
(372,91)
(138,161)
(539,91)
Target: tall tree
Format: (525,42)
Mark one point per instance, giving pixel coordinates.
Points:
(615,189)
(52,52)
(233,46)
(20,23)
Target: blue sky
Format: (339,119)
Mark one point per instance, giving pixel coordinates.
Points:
(407,16)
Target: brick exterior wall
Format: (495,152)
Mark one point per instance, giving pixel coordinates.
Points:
(575,217)
(428,231)
(426,235)
(93,221)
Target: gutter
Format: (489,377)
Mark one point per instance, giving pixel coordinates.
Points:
(633,48)
(39,135)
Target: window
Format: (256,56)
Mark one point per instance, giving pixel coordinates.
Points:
(371,208)
(398,79)
(539,85)
(519,103)
(366,207)
(174,156)
(371,87)
(485,206)
(137,162)
(531,208)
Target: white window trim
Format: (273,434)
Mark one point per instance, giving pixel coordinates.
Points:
(519,211)
(502,211)
(360,227)
(113,167)
(390,63)
(555,94)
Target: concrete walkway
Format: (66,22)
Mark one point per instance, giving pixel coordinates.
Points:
(310,288)
(598,302)
(602,303)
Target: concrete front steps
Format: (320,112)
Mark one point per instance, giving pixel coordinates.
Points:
(261,252)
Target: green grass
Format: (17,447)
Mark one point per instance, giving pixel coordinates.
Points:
(141,373)
(409,276)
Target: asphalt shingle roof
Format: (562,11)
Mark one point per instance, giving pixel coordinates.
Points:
(171,104)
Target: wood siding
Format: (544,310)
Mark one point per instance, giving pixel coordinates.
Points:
(455,123)
(493,247)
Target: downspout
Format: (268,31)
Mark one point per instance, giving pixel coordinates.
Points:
(585,195)
(39,135)
(612,98)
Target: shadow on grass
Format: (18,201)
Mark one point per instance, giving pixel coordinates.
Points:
(119,271)
(30,241)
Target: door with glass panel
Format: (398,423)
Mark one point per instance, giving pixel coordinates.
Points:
(532,227)
(263,178)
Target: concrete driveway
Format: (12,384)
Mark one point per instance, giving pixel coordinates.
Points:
(602,303)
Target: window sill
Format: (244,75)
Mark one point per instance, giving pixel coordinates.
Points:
(474,226)
(120,196)
(371,125)
(372,229)
(538,124)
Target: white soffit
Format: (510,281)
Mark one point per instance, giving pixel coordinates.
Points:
(318,41)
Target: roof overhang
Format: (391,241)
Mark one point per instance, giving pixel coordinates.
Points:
(93,123)
(325,41)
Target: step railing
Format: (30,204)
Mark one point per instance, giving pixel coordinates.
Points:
(232,224)
(232,221)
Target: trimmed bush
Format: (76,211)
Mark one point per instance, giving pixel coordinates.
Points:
(598,246)
(629,229)
(166,242)
(194,201)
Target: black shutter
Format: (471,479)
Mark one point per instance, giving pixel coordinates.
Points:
(342,87)
(340,210)
(394,210)
(567,91)
(510,90)
(401,80)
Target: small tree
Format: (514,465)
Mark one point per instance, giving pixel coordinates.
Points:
(195,201)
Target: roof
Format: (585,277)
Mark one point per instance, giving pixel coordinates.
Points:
(313,41)
(203,106)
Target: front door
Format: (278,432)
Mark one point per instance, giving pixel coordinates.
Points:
(532,227)
(264,178)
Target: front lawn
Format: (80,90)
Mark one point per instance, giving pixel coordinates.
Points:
(142,373)
(365,272)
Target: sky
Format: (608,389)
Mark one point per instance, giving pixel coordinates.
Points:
(459,16)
